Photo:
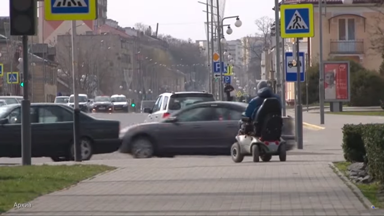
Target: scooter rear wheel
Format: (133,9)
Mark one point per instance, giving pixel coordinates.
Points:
(236,155)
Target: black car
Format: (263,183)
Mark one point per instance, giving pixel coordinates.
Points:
(102,104)
(207,128)
(52,132)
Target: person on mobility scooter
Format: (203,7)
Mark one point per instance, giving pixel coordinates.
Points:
(260,132)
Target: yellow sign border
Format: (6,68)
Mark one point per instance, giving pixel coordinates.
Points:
(2,70)
(311,26)
(229,71)
(92,15)
(17,77)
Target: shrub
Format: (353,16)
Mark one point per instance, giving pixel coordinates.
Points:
(353,145)
(373,137)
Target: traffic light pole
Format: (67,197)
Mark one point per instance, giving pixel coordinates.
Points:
(25,110)
(299,106)
(76,113)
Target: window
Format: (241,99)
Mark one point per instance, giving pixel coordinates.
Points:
(157,105)
(228,114)
(53,115)
(180,101)
(198,114)
(14,116)
(347,29)
(165,102)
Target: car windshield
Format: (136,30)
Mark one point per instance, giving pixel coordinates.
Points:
(10,100)
(82,99)
(61,100)
(180,101)
(2,103)
(119,99)
(102,99)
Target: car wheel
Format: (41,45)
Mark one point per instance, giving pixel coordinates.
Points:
(255,153)
(86,149)
(142,148)
(237,157)
(283,152)
(266,157)
(60,159)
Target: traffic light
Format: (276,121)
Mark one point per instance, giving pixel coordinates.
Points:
(23,16)
(133,103)
(21,80)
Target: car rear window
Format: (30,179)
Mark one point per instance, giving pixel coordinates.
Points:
(10,100)
(180,101)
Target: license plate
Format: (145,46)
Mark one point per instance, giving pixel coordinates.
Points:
(117,107)
(102,108)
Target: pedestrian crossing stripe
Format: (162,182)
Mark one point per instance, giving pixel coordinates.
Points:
(297,22)
(70,3)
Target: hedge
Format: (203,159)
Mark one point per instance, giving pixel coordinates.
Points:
(353,145)
(373,138)
(365,143)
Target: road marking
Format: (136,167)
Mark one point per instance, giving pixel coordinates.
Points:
(312,126)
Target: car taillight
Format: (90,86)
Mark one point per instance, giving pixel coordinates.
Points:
(166,115)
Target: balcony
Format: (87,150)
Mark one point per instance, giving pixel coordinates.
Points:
(347,47)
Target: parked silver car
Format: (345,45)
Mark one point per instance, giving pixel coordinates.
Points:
(169,103)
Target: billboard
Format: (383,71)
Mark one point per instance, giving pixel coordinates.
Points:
(336,81)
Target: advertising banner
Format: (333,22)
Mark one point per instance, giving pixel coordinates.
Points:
(336,81)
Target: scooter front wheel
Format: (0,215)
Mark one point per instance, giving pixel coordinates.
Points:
(236,155)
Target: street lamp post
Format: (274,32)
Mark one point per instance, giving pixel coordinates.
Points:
(221,40)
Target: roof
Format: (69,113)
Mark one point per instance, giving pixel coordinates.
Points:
(11,96)
(62,96)
(109,29)
(186,92)
(118,95)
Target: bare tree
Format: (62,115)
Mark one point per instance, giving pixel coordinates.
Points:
(92,65)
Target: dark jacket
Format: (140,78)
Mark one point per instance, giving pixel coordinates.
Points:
(255,103)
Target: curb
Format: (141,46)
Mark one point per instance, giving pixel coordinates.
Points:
(352,186)
(313,126)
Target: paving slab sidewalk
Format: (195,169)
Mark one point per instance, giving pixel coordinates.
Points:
(304,185)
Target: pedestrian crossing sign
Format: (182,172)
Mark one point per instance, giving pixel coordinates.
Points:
(1,70)
(70,9)
(13,77)
(297,21)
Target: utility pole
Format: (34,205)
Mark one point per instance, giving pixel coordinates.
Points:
(219,46)
(76,113)
(321,69)
(277,48)
(283,72)
(212,49)
(209,56)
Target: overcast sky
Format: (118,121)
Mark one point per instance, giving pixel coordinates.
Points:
(181,18)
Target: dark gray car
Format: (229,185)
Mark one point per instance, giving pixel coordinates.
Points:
(207,128)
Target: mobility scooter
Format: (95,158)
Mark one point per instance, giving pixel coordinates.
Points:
(262,137)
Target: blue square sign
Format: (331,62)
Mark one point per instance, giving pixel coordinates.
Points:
(1,70)
(68,7)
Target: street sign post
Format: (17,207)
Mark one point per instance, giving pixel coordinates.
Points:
(291,65)
(13,77)
(297,20)
(70,10)
(1,70)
